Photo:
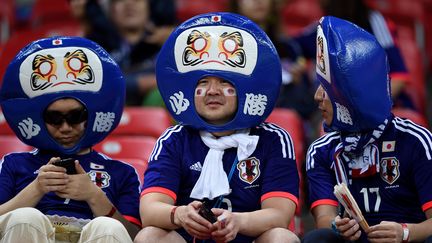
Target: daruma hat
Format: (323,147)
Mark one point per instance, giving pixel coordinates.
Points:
(228,46)
(62,67)
(352,67)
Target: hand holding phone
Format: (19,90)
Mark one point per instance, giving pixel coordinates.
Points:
(69,164)
(205,212)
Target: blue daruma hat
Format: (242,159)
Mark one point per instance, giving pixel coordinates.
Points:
(224,45)
(352,67)
(62,67)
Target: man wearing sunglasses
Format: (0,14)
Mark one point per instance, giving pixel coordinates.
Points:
(63,190)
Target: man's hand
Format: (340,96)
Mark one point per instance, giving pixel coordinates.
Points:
(227,226)
(79,186)
(385,232)
(51,177)
(348,228)
(188,217)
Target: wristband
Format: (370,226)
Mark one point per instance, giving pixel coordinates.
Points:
(405,235)
(111,212)
(172,215)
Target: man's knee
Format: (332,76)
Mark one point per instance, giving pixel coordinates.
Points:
(322,235)
(106,225)
(278,235)
(25,216)
(152,234)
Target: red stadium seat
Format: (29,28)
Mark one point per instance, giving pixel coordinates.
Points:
(134,150)
(22,38)
(138,147)
(414,61)
(11,144)
(50,11)
(187,8)
(143,121)
(4,127)
(292,122)
(298,14)
(412,115)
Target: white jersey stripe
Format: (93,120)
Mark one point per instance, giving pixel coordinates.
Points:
(158,147)
(324,140)
(380,29)
(290,142)
(285,139)
(419,132)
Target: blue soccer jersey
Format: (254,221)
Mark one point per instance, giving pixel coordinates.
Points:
(399,192)
(271,171)
(118,180)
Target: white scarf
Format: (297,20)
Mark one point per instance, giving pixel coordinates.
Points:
(213,180)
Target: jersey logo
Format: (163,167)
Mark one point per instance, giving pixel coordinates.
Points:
(100,178)
(389,169)
(249,170)
(388,146)
(197,166)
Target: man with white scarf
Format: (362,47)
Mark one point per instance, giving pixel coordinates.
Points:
(219,75)
(384,160)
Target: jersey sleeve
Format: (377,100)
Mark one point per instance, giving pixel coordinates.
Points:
(422,167)
(7,179)
(127,200)
(321,177)
(281,178)
(164,169)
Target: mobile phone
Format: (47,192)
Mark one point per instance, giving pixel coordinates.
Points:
(69,164)
(205,212)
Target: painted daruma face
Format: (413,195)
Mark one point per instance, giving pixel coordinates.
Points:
(215,100)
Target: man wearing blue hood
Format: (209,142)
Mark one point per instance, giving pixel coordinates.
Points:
(219,75)
(384,160)
(55,97)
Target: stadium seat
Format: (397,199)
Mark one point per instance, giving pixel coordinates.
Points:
(143,121)
(187,8)
(134,150)
(50,11)
(11,144)
(412,115)
(298,14)
(20,39)
(4,127)
(291,121)
(138,147)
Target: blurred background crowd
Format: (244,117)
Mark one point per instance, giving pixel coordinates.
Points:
(132,31)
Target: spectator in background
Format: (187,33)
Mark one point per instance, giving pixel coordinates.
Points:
(132,38)
(367,148)
(297,89)
(62,95)
(372,21)
(220,75)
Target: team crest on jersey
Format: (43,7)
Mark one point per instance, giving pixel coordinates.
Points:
(249,169)
(100,178)
(389,169)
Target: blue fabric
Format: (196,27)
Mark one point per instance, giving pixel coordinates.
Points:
(252,66)
(173,165)
(62,67)
(403,182)
(352,61)
(117,179)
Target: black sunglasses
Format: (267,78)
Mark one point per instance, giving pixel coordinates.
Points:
(73,117)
